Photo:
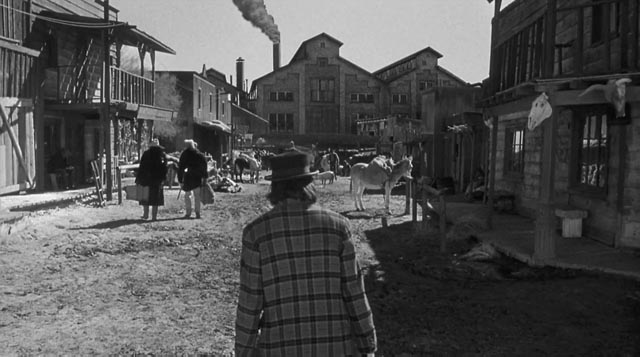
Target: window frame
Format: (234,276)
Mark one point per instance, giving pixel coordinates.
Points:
(323,95)
(281,123)
(399,99)
(510,147)
(602,115)
(281,96)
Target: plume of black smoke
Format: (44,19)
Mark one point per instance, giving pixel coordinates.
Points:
(256,12)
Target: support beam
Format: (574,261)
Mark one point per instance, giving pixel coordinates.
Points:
(544,236)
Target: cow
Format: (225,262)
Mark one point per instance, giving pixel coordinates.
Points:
(379,173)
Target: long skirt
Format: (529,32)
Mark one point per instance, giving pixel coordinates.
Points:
(156,196)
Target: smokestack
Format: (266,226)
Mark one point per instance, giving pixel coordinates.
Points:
(240,73)
(276,55)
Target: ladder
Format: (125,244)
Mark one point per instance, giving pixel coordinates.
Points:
(97,178)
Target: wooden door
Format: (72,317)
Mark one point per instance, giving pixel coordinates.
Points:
(17,145)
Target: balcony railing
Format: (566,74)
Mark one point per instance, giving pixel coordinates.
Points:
(128,87)
(83,85)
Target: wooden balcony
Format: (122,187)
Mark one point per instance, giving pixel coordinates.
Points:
(83,85)
(589,39)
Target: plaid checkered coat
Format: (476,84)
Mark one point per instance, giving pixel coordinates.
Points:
(301,291)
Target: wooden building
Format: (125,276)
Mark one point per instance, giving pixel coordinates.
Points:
(206,109)
(319,96)
(578,61)
(56,94)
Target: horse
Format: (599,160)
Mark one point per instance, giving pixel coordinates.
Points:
(379,173)
(251,164)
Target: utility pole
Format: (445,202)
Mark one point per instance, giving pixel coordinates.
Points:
(106,106)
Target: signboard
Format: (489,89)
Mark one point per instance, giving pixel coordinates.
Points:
(154,113)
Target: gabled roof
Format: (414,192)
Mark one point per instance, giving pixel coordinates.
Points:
(409,57)
(440,68)
(300,52)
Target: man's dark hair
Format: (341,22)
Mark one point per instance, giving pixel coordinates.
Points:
(298,189)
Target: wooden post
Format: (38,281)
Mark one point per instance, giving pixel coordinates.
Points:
(443,224)
(106,106)
(544,241)
(425,209)
(407,203)
(119,180)
(491,180)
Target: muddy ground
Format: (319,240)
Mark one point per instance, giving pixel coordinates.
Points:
(82,280)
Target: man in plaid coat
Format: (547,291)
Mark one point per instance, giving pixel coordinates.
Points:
(301,290)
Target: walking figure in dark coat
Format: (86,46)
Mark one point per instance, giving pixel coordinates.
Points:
(192,174)
(152,173)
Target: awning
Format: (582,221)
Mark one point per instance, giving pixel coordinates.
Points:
(216,124)
(239,111)
(154,113)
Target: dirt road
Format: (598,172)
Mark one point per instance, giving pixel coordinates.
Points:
(85,281)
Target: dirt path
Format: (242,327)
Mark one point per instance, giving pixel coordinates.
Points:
(84,280)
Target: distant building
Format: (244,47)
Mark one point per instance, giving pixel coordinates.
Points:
(319,96)
(206,108)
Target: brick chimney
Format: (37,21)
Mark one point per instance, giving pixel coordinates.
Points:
(240,73)
(276,56)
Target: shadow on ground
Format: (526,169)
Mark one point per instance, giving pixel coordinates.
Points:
(125,222)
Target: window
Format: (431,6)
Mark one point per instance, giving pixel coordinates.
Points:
(281,123)
(361,98)
(323,61)
(322,45)
(210,102)
(283,96)
(599,13)
(591,150)
(514,151)
(199,98)
(399,99)
(322,90)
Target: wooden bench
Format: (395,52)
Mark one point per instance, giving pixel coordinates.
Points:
(571,220)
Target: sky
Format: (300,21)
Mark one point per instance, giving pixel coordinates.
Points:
(374,33)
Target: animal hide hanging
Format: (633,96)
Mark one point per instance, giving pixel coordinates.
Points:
(540,110)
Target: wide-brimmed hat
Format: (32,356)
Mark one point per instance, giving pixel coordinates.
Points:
(291,164)
(190,143)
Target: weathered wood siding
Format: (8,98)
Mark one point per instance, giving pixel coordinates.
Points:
(77,76)
(13,176)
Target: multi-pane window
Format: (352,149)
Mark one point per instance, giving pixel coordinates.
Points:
(199,98)
(323,61)
(281,122)
(323,90)
(514,151)
(591,150)
(282,96)
(399,99)
(361,98)
(210,102)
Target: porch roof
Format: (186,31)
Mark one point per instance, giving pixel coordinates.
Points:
(128,34)
(215,124)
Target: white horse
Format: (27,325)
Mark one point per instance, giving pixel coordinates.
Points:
(378,174)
